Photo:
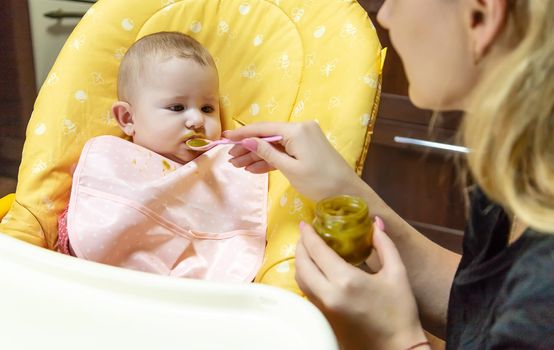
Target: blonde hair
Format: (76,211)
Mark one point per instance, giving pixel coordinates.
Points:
(142,54)
(510,124)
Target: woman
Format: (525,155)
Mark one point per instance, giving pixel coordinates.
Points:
(495,60)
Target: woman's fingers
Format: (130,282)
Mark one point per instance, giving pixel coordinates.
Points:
(249,159)
(386,250)
(373,263)
(252,150)
(326,259)
(270,154)
(309,277)
(258,130)
(259,167)
(238,150)
(245,160)
(295,157)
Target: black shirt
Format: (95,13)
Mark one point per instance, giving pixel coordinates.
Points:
(503,295)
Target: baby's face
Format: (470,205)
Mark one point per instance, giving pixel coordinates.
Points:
(179,98)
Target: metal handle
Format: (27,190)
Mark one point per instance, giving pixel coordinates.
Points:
(61,14)
(430,144)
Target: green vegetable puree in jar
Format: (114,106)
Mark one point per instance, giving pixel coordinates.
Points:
(344,224)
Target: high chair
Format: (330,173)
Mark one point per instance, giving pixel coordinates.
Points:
(279,60)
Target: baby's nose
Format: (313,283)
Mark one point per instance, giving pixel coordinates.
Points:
(194,119)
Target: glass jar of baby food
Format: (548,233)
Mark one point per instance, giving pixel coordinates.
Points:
(344,224)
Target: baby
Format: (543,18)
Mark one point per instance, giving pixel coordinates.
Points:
(155,205)
(169,91)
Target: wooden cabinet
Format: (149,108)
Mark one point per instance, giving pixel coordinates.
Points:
(19,78)
(418,182)
(17,84)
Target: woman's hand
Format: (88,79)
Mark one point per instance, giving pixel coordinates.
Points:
(366,311)
(304,156)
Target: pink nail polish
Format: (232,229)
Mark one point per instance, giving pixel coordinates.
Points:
(380,224)
(302,225)
(250,145)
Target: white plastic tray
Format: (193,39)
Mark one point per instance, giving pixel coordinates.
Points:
(52,301)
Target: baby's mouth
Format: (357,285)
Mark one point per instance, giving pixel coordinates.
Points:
(193,135)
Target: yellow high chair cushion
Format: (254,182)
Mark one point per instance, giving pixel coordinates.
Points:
(5,204)
(280,60)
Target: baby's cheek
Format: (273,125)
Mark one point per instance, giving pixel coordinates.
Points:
(213,130)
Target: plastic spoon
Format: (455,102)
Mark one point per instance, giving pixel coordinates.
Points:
(200,144)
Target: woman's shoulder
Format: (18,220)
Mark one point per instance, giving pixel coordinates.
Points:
(525,318)
(535,261)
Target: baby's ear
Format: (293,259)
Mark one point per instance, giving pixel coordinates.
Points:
(122,113)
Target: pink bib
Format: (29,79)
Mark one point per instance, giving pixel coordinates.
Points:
(133,208)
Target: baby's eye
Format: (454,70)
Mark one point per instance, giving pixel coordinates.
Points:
(208,109)
(176,108)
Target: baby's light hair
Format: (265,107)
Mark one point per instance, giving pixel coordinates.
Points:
(144,53)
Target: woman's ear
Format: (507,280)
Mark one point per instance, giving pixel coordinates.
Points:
(487,18)
(124,116)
